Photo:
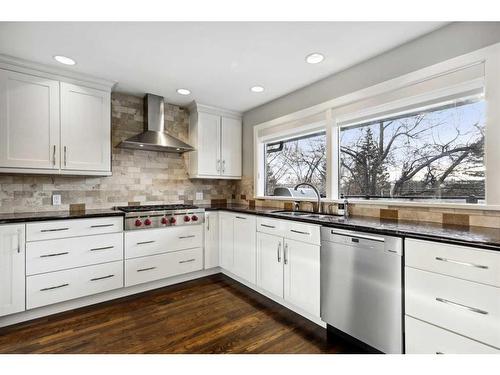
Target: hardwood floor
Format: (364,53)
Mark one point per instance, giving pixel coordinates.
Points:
(210,315)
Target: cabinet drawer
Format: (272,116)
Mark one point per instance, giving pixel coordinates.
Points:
(48,230)
(303,232)
(156,267)
(48,288)
(467,263)
(156,241)
(424,338)
(271,226)
(461,306)
(56,255)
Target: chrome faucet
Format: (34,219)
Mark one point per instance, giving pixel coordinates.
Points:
(315,190)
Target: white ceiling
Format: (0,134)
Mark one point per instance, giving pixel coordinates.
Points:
(217,61)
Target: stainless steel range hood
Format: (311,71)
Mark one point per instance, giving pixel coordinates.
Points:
(154,137)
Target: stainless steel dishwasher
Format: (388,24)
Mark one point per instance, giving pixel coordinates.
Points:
(361,287)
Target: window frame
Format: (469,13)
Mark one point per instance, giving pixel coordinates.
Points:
(349,108)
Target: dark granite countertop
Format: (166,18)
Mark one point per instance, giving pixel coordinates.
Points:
(487,238)
(21,217)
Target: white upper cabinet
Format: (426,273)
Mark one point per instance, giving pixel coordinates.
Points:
(12,269)
(231,147)
(216,136)
(207,146)
(29,121)
(53,124)
(85,129)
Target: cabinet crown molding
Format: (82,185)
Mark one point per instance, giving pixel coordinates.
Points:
(29,67)
(197,107)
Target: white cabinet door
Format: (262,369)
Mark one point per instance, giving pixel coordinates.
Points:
(85,129)
(244,247)
(208,150)
(211,239)
(231,142)
(302,279)
(226,240)
(12,271)
(29,121)
(270,263)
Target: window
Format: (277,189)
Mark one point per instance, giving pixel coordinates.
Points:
(431,154)
(300,159)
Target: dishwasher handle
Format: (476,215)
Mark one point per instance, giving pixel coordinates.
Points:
(358,237)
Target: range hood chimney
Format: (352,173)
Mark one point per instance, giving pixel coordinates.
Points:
(154,137)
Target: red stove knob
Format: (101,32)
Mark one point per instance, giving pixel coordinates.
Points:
(173,220)
(164,220)
(194,218)
(147,222)
(187,218)
(138,223)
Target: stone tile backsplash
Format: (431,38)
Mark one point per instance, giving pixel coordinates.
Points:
(138,176)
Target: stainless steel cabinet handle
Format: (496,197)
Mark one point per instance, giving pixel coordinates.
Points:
(184,237)
(439,353)
(53,230)
(462,263)
(223,166)
(53,287)
(285,254)
(144,242)
(54,156)
(217,167)
(187,261)
(102,278)
(102,225)
(279,252)
(19,240)
(473,309)
(65,155)
(208,222)
(146,269)
(240,217)
(102,248)
(299,232)
(53,255)
(359,236)
(267,226)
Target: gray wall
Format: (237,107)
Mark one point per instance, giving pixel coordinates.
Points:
(450,41)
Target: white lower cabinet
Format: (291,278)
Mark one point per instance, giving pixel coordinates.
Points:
(244,247)
(452,298)
(211,240)
(54,287)
(156,267)
(425,338)
(237,244)
(288,268)
(301,276)
(12,268)
(226,240)
(270,263)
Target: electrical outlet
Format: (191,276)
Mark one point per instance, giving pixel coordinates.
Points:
(56,199)
(199,196)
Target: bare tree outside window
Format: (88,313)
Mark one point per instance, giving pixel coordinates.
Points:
(301,159)
(432,154)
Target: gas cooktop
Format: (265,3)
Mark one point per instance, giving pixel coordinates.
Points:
(161,216)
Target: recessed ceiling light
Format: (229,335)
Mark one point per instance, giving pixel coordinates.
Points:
(64,60)
(257,89)
(314,58)
(183,91)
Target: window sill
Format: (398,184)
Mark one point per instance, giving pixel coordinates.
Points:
(460,206)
